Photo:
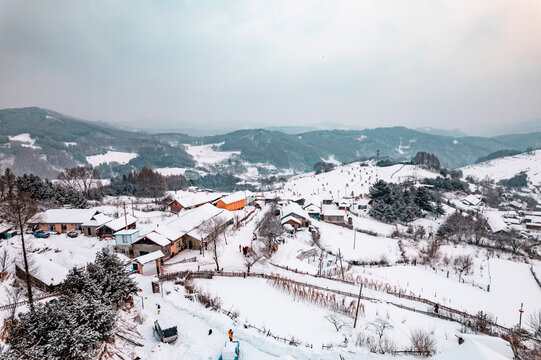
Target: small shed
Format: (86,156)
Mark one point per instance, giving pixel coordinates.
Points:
(291,220)
(149,264)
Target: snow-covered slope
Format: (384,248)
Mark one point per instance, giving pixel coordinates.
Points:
(351,179)
(507,167)
(110,157)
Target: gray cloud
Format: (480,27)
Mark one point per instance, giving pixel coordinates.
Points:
(416,63)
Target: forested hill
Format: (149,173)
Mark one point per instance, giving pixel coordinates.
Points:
(59,141)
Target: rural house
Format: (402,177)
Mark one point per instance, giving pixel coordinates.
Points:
(148,264)
(235,201)
(124,239)
(90,227)
(191,200)
(293,214)
(63,220)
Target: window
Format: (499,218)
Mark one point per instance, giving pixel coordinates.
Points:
(50,227)
(64,227)
(179,244)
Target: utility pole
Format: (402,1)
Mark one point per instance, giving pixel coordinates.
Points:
(125,216)
(358,304)
(132,210)
(341,267)
(520,318)
(354,237)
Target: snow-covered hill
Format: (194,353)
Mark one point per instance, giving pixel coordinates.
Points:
(351,179)
(507,167)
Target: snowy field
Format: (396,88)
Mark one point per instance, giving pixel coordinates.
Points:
(110,157)
(507,167)
(205,155)
(357,245)
(351,179)
(25,140)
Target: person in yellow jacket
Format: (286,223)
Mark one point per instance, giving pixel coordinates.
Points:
(230,333)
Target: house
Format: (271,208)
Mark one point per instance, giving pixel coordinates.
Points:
(149,264)
(495,222)
(472,200)
(343,205)
(160,239)
(63,220)
(333,215)
(291,220)
(124,222)
(235,201)
(90,227)
(294,210)
(195,224)
(191,200)
(533,225)
(188,231)
(124,239)
(313,210)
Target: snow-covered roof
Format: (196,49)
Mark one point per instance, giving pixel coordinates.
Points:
(120,223)
(312,209)
(479,347)
(472,199)
(333,212)
(188,200)
(240,195)
(65,216)
(495,221)
(293,208)
(98,220)
(290,218)
(195,218)
(155,238)
(145,259)
(4,228)
(126,232)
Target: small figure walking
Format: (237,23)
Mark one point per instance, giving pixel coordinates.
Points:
(436,308)
(159,308)
(240,248)
(230,333)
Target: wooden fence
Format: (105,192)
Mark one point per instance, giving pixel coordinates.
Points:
(24,302)
(21,274)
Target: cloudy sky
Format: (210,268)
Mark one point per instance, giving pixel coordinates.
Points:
(445,64)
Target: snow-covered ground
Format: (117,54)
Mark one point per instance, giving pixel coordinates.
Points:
(110,157)
(352,179)
(25,140)
(205,155)
(507,167)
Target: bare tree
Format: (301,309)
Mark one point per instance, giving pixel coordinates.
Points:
(269,229)
(14,294)
(422,341)
(337,323)
(379,327)
(80,178)
(18,209)
(252,258)
(214,228)
(5,260)
(534,322)
(463,263)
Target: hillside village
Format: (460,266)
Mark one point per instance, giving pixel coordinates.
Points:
(283,268)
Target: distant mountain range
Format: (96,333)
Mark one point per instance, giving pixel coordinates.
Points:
(61,141)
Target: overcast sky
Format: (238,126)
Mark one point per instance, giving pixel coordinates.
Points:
(443,64)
